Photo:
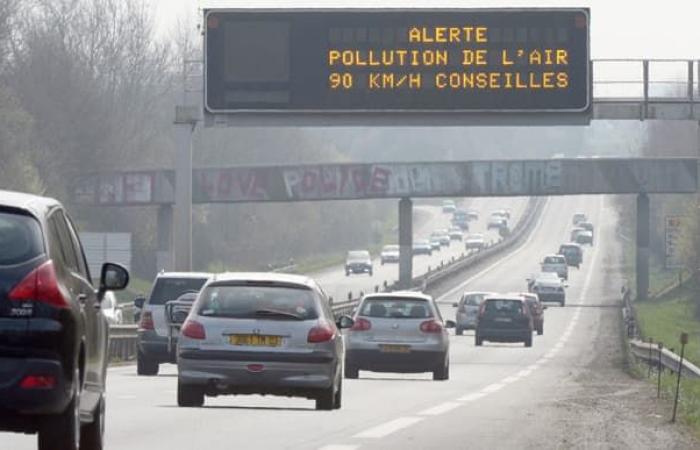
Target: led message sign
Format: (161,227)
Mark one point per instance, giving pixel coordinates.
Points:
(398,60)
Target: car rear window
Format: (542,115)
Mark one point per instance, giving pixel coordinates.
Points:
(167,289)
(258,302)
(20,238)
(391,248)
(554,260)
(396,308)
(473,299)
(503,306)
(358,255)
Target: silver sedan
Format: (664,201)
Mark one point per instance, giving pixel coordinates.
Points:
(398,332)
(254,333)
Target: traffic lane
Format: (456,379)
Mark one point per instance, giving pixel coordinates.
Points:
(504,413)
(338,285)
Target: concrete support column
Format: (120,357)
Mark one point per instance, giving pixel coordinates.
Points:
(182,238)
(642,249)
(405,243)
(164,237)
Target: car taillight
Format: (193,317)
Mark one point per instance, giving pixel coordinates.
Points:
(40,285)
(482,308)
(146,322)
(361,325)
(431,326)
(322,332)
(38,382)
(193,330)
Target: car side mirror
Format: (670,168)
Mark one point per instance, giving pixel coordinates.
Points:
(344,322)
(114,277)
(544,307)
(180,316)
(450,324)
(139,301)
(455,305)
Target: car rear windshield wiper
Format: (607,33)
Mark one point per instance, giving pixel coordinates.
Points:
(274,312)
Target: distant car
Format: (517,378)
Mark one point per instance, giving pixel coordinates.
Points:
(584,237)
(578,218)
(504,318)
(154,346)
(556,264)
(448,206)
(111,309)
(548,287)
(475,242)
(498,222)
(573,253)
(398,332)
(358,261)
(442,235)
(468,310)
(435,243)
(390,254)
(261,333)
(575,232)
(472,214)
(536,310)
(502,213)
(456,233)
(588,226)
(53,338)
(460,219)
(422,247)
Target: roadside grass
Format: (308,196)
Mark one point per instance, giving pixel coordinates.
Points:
(688,399)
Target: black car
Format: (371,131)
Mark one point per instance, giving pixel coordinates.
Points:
(358,261)
(504,319)
(53,338)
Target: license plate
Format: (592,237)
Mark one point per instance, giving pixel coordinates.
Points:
(255,340)
(395,348)
(503,319)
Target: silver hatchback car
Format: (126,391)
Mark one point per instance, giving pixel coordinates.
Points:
(261,333)
(468,310)
(398,332)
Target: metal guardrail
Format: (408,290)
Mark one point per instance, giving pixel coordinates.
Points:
(649,352)
(123,338)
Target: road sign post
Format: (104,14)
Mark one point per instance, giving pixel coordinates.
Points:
(405,243)
(642,253)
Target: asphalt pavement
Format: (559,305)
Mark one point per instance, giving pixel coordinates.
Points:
(487,403)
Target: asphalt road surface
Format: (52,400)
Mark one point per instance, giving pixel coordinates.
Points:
(491,400)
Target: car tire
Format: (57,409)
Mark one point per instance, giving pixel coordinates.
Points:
(478,341)
(528,341)
(562,303)
(325,401)
(347,274)
(459,331)
(92,434)
(146,366)
(62,431)
(370,273)
(540,330)
(338,399)
(442,373)
(189,396)
(351,372)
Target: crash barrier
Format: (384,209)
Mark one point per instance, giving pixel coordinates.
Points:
(653,354)
(123,338)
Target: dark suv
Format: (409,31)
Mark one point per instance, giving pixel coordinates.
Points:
(504,319)
(53,337)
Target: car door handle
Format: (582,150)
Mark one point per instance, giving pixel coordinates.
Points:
(82,298)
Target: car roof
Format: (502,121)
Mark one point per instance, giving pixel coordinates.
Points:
(504,297)
(571,244)
(478,293)
(268,277)
(33,204)
(401,294)
(185,275)
(553,255)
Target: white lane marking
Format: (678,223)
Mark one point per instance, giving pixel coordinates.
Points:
(524,373)
(471,397)
(511,379)
(491,388)
(440,409)
(522,247)
(339,447)
(387,428)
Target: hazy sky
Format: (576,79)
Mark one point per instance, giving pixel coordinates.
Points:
(619,28)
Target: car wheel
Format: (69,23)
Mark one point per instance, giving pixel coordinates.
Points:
(562,303)
(382,263)
(92,434)
(528,341)
(338,400)
(540,330)
(442,373)
(62,431)
(347,274)
(189,396)
(146,366)
(370,273)
(326,399)
(351,372)
(459,331)
(478,341)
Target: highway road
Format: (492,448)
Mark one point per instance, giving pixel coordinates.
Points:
(493,399)
(429,218)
